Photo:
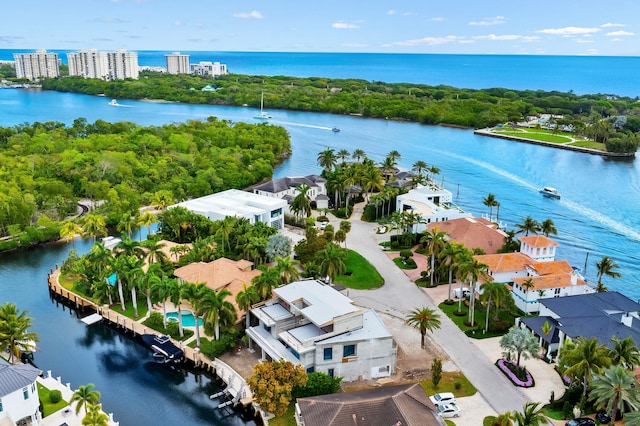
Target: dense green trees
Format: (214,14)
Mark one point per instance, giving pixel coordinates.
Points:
(48,166)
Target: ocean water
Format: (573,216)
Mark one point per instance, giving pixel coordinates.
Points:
(614,75)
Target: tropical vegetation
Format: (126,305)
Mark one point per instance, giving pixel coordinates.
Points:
(14,331)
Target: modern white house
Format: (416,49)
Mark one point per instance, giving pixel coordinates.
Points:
(233,202)
(286,188)
(534,274)
(600,315)
(19,403)
(432,202)
(314,325)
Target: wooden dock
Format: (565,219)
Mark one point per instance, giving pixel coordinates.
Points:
(236,384)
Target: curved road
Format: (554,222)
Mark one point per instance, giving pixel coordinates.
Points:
(399,295)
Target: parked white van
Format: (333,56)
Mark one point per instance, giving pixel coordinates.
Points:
(465,292)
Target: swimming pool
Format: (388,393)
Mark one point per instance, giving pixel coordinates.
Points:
(188,320)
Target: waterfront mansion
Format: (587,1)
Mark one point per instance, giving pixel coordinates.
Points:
(314,325)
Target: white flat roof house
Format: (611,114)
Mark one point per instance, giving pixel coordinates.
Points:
(432,202)
(19,403)
(316,326)
(233,202)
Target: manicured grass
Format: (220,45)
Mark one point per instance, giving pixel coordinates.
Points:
(398,262)
(538,136)
(554,414)
(287,419)
(590,144)
(448,384)
(363,275)
(47,407)
(480,318)
(128,312)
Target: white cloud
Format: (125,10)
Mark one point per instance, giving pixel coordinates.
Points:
(619,33)
(569,31)
(584,40)
(530,39)
(254,14)
(427,41)
(498,37)
(344,26)
(391,12)
(178,23)
(490,21)
(437,19)
(609,24)
(616,39)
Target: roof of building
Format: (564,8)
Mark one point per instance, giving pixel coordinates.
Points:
(536,323)
(552,267)
(15,377)
(406,405)
(372,328)
(284,184)
(321,303)
(472,232)
(597,315)
(231,203)
(505,262)
(538,241)
(550,281)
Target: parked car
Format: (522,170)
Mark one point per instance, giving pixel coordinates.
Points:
(582,421)
(323,225)
(465,293)
(443,398)
(604,418)
(448,410)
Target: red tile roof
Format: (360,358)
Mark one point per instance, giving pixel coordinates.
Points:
(538,241)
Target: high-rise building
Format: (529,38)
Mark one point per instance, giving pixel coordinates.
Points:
(35,65)
(209,69)
(177,63)
(91,63)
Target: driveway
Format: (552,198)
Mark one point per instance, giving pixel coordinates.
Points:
(399,296)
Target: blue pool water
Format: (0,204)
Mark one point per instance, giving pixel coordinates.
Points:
(188,320)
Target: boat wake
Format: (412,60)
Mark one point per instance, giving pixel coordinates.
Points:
(310,126)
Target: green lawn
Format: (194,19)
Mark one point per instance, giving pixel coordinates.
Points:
(399,264)
(590,144)
(128,312)
(480,318)
(535,135)
(287,419)
(47,407)
(448,384)
(360,273)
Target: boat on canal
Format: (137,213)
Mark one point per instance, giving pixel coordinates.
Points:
(114,102)
(163,348)
(550,192)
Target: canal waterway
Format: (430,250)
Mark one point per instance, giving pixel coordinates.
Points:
(596,216)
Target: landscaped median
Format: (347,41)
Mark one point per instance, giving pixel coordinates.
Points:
(519,376)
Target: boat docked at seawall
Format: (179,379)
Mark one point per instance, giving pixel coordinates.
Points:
(550,192)
(162,347)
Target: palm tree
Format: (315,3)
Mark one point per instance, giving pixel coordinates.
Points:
(94,226)
(528,225)
(331,261)
(195,294)
(69,231)
(84,396)
(216,310)
(450,256)
(95,416)
(615,389)
(419,167)
(387,166)
(520,341)
(343,154)
(327,159)
(127,223)
(162,199)
(154,251)
(394,155)
(625,352)
(496,295)
(14,334)
(531,415)
(245,298)
(358,154)
(147,219)
(470,270)
(267,280)
(584,358)
(174,291)
(301,203)
(489,201)
(423,319)
(225,230)
(606,266)
(504,419)
(548,227)
(128,247)
(434,241)
(288,269)
(162,288)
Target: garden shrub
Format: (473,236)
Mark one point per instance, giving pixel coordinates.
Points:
(567,410)
(319,383)
(406,253)
(410,263)
(395,245)
(215,348)
(55,396)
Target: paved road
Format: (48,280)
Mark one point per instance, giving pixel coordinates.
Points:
(399,296)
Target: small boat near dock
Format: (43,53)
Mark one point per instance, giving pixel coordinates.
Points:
(163,348)
(550,192)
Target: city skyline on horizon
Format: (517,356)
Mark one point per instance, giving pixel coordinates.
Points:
(501,27)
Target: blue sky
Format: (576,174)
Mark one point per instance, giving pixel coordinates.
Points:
(551,27)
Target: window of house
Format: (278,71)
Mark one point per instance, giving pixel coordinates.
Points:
(348,350)
(330,372)
(1,409)
(25,392)
(328,354)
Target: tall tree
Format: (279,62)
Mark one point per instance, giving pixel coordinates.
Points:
(195,294)
(606,266)
(531,415)
(423,319)
(69,231)
(470,270)
(625,353)
(147,219)
(14,331)
(343,154)
(162,287)
(288,269)
(584,359)
(245,298)
(216,310)
(358,154)
(331,260)
(301,203)
(614,390)
(94,226)
(272,383)
(95,416)
(266,281)
(434,241)
(547,227)
(489,201)
(450,257)
(496,295)
(529,224)
(84,396)
(327,159)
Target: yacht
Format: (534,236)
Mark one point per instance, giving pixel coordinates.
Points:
(262,115)
(550,192)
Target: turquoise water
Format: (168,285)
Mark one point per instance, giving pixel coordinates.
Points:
(188,320)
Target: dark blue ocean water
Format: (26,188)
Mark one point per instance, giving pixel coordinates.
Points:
(580,74)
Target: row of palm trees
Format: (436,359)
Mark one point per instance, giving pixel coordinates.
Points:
(93,225)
